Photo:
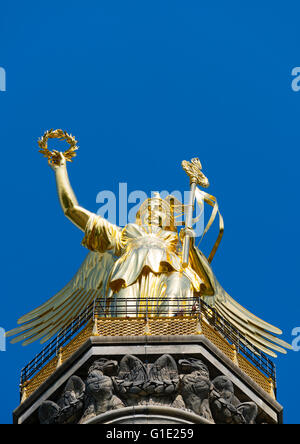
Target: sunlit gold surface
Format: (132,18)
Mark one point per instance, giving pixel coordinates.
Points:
(53,156)
(139,263)
(194,171)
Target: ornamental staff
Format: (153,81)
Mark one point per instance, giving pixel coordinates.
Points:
(194,171)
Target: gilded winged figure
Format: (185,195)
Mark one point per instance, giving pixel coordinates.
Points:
(137,268)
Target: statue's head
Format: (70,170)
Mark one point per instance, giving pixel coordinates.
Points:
(224,386)
(191,365)
(157,212)
(107,366)
(99,385)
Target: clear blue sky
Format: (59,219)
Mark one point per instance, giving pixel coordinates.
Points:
(143,85)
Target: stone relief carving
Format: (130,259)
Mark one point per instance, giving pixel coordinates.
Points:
(99,393)
(68,408)
(226,408)
(184,384)
(140,383)
(196,387)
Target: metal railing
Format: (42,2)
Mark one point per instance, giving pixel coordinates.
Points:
(151,309)
(243,346)
(53,347)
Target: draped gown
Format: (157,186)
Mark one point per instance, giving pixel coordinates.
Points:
(148,273)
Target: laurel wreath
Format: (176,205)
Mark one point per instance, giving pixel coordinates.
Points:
(54,156)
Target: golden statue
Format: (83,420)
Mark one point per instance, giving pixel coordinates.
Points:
(145,266)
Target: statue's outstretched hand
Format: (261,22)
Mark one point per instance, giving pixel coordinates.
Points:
(58,160)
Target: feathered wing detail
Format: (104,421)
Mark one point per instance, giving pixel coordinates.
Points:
(89,283)
(258,332)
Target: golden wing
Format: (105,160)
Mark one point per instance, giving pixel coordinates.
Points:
(258,332)
(88,284)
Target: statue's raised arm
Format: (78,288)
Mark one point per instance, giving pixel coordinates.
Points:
(100,235)
(78,215)
(141,270)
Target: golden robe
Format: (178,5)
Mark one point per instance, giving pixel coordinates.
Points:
(147,273)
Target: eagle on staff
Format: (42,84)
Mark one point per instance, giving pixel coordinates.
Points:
(146,265)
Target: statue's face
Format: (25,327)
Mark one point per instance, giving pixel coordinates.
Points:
(156,218)
(99,385)
(155,215)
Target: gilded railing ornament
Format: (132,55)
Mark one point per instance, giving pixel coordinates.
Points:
(54,156)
